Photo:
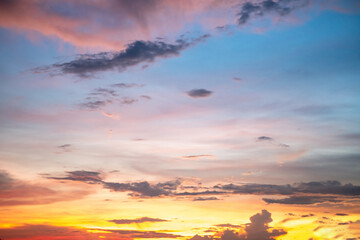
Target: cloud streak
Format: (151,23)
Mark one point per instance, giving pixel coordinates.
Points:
(137,220)
(134,54)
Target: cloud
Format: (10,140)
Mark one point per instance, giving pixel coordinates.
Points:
(205,199)
(42,231)
(228,225)
(99,98)
(126,85)
(299,193)
(197,237)
(134,54)
(264,138)
(237,79)
(144,189)
(81,176)
(342,214)
(327,187)
(134,234)
(303,200)
(104,92)
(16,192)
(199,93)
(280,7)
(51,232)
(94,105)
(137,220)
(271,140)
(65,147)
(257,229)
(198,156)
(98,25)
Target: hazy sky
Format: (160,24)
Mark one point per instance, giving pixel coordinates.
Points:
(170,119)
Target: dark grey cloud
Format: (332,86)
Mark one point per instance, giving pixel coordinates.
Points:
(135,53)
(342,214)
(280,7)
(205,199)
(201,193)
(81,176)
(264,138)
(144,189)
(327,187)
(199,93)
(137,220)
(303,200)
(258,189)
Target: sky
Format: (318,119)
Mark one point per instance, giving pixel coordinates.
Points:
(188,120)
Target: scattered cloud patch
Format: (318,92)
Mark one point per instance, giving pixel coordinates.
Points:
(199,93)
(251,10)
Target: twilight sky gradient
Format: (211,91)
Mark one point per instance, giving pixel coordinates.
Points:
(170,119)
